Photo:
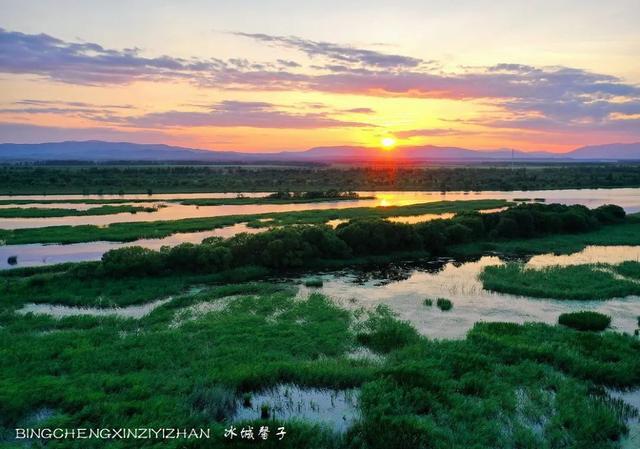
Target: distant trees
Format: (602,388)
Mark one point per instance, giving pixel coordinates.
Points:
(317,180)
(300,246)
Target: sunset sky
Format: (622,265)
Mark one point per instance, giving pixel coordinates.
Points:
(288,75)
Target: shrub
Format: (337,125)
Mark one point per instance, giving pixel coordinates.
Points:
(585,321)
(131,261)
(313,282)
(444,304)
(428,302)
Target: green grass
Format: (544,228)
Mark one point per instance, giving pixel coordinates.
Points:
(36,212)
(382,332)
(495,389)
(69,285)
(125,232)
(585,321)
(573,282)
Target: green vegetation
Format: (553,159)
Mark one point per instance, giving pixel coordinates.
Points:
(296,247)
(125,232)
(585,321)
(283,197)
(428,302)
(575,282)
(444,304)
(37,212)
(142,179)
(507,385)
(381,332)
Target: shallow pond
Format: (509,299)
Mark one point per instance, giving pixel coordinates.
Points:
(632,398)
(337,409)
(403,288)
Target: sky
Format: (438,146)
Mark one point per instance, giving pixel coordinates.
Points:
(279,75)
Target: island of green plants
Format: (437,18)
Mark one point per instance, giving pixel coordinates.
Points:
(585,321)
(37,212)
(573,282)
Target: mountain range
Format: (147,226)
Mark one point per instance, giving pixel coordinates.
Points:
(100,151)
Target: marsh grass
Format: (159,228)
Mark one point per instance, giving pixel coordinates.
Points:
(64,285)
(585,321)
(525,386)
(126,232)
(37,212)
(574,282)
(382,332)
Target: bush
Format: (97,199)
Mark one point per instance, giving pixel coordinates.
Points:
(132,261)
(444,304)
(585,321)
(313,282)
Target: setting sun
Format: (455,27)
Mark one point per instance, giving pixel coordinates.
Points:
(388,143)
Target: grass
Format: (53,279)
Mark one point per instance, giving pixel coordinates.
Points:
(125,232)
(382,332)
(506,385)
(65,285)
(36,212)
(444,304)
(573,282)
(585,321)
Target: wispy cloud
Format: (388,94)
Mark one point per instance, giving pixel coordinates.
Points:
(340,54)
(430,132)
(235,114)
(528,96)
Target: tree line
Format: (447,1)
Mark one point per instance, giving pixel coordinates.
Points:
(301,246)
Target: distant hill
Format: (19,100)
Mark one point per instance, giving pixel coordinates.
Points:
(100,151)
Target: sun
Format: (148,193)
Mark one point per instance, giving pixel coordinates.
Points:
(388,143)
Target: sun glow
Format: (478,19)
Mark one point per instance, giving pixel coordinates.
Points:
(388,143)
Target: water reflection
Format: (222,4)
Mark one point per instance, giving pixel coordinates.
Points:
(337,409)
(403,287)
(627,198)
(39,254)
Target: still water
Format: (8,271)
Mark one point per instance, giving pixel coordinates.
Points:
(403,288)
(37,254)
(627,198)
